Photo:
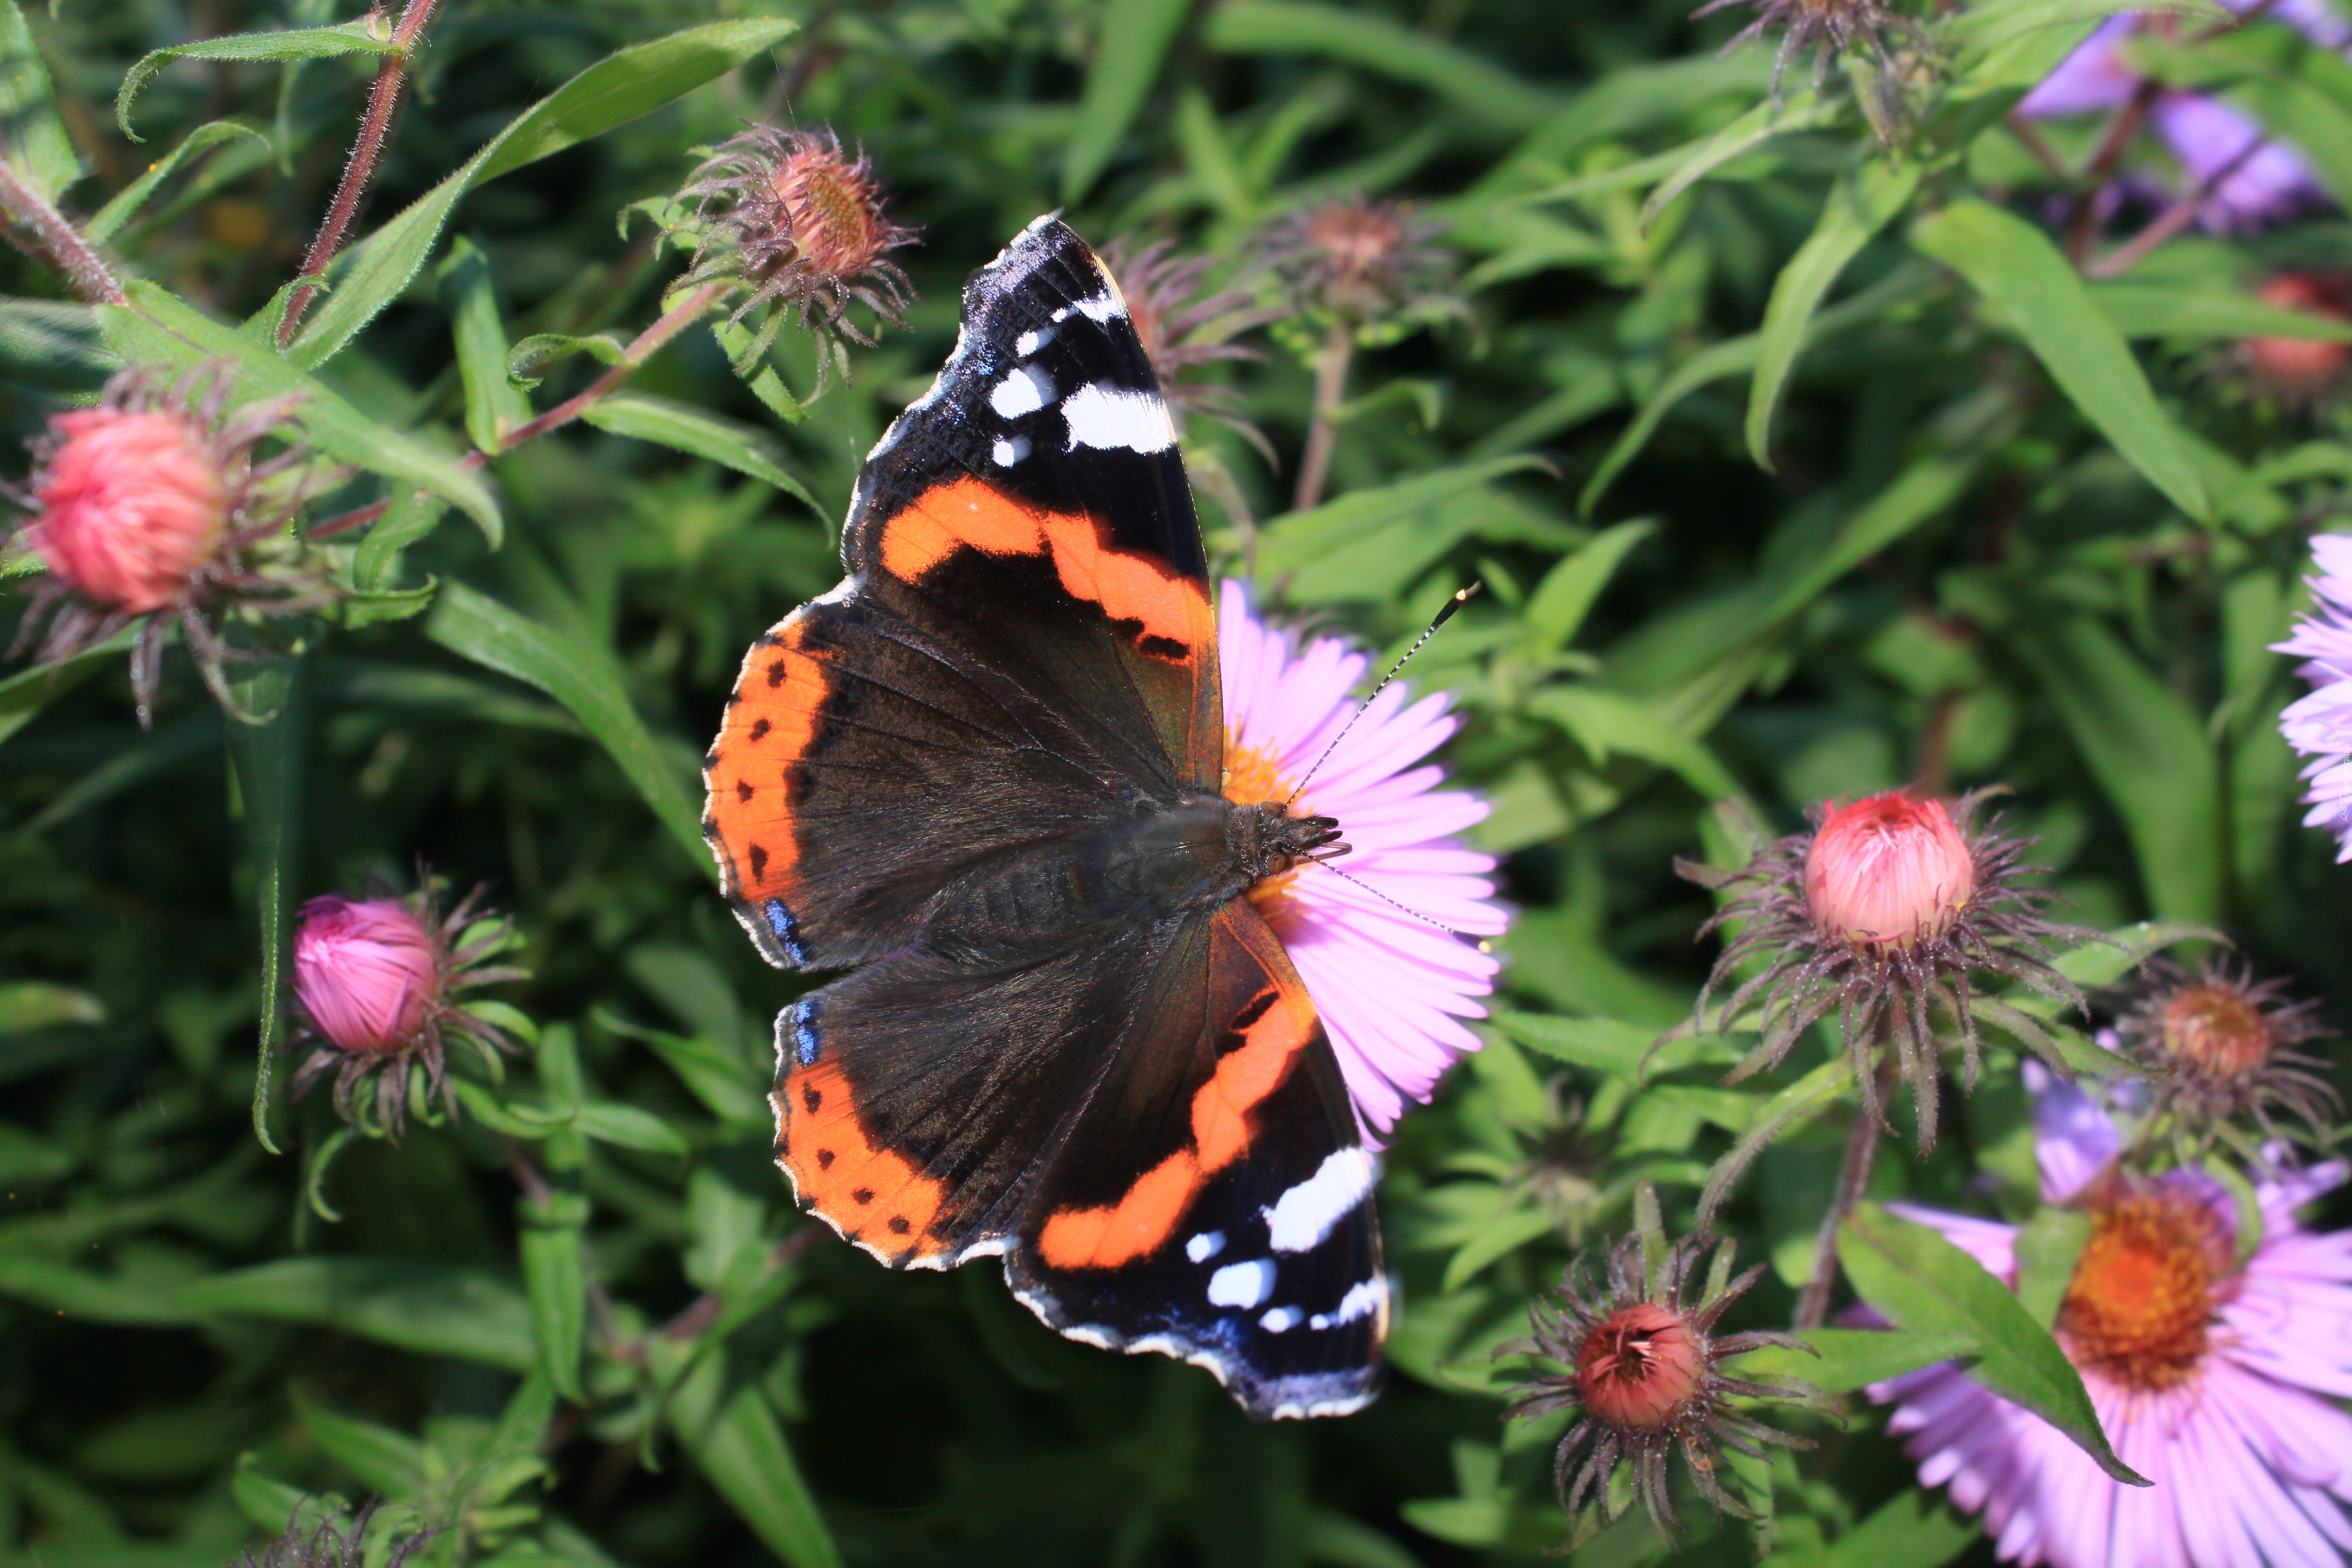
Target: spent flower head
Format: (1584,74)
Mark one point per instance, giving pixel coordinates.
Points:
(1361,264)
(798,223)
(2220,1045)
(149,506)
(332,1542)
(377,981)
(1880,915)
(1827,27)
(1635,1355)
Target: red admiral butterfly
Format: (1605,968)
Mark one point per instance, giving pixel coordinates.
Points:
(985,775)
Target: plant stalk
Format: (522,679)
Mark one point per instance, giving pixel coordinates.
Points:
(367,152)
(56,241)
(1330,387)
(1853,1180)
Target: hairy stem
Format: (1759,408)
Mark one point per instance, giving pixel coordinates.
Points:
(55,240)
(674,321)
(1853,1180)
(367,151)
(1330,386)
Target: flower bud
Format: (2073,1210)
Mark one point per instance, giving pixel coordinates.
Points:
(368,972)
(1640,1366)
(2300,369)
(132,504)
(1888,871)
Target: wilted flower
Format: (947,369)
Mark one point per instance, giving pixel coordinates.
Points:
(2300,370)
(794,220)
(1380,944)
(2319,725)
(149,505)
(2246,179)
(377,979)
(1357,260)
(332,1542)
(1637,1360)
(2219,1045)
(1827,26)
(2215,1380)
(1888,905)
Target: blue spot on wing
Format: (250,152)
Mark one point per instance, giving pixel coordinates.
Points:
(804,1041)
(787,929)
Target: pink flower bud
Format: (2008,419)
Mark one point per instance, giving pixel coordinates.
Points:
(368,972)
(132,504)
(1888,870)
(2301,369)
(1641,1366)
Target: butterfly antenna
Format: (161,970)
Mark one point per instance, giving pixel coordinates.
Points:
(1460,598)
(1483,944)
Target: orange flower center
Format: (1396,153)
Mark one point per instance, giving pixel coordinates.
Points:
(2216,1028)
(1640,1367)
(2143,1292)
(1253,775)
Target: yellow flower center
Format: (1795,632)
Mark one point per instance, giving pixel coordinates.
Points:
(1253,776)
(2143,1292)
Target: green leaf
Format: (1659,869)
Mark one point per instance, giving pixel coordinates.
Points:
(1604,723)
(1848,1359)
(2148,751)
(478,627)
(375,568)
(2173,310)
(689,430)
(154,328)
(736,1441)
(1363,519)
(268,759)
(555,1277)
(1130,40)
(2047,1248)
(1982,28)
(712,1074)
(1622,1050)
(1913,1531)
(377,1456)
(109,220)
(368,36)
(24,694)
(1471,84)
(2098,963)
(617,89)
(1761,124)
(30,128)
(1918,1280)
(435,1308)
(631,1127)
(2013,264)
(529,358)
(29,1004)
(1863,201)
(2246,1232)
(493,404)
(1555,612)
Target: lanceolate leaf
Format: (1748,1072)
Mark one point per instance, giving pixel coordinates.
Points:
(1473,85)
(617,89)
(1920,1281)
(33,136)
(1131,39)
(369,36)
(2014,265)
(435,1308)
(1859,205)
(1848,1359)
(480,628)
(737,445)
(268,759)
(493,405)
(737,1441)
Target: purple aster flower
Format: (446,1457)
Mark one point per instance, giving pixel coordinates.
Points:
(1379,938)
(2258,182)
(2320,725)
(2215,1383)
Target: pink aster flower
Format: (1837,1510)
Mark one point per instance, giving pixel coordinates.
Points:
(2320,725)
(377,981)
(1381,937)
(2216,1384)
(2256,181)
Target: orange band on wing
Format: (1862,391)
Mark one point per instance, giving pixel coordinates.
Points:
(1281,1024)
(874,1196)
(769,725)
(1129,585)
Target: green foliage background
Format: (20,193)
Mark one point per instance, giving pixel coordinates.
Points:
(1958,568)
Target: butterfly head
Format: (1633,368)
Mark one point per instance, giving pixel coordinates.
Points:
(1274,841)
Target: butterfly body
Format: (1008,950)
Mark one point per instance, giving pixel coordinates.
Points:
(983,775)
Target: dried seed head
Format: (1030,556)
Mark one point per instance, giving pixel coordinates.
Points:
(1356,260)
(795,220)
(1637,1357)
(2219,1045)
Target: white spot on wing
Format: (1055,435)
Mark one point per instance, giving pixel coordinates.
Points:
(1025,390)
(1100,416)
(1241,1284)
(1363,1298)
(1103,307)
(1009,450)
(1062,314)
(1205,1246)
(1308,1212)
(1029,341)
(1281,1320)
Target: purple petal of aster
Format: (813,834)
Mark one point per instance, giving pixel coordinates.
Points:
(2074,1137)
(2256,1500)
(1988,1241)
(2093,77)
(2305,1439)
(2207,137)
(2292,1187)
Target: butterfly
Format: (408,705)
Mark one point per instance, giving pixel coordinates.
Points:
(984,776)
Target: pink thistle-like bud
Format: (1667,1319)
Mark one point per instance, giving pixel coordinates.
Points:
(369,973)
(1888,871)
(1640,1366)
(132,505)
